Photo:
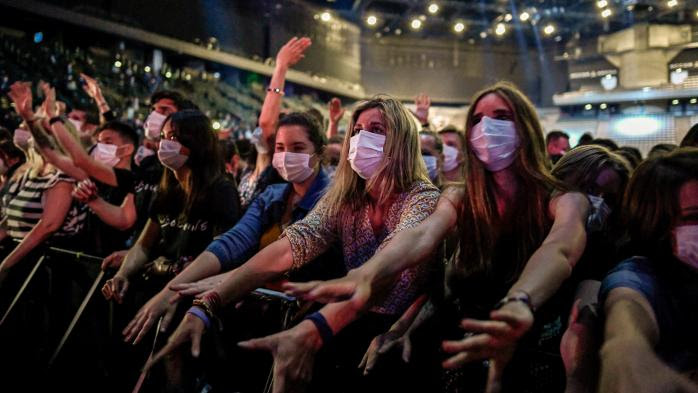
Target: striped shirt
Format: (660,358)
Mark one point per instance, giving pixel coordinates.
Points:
(26,206)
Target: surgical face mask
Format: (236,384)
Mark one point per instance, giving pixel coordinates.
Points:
(495,143)
(598,216)
(142,153)
(257,141)
(170,154)
(293,167)
(77,123)
(21,139)
(366,153)
(432,167)
(686,240)
(153,125)
(450,158)
(106,154)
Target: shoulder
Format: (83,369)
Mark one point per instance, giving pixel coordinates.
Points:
(636,273)
(423,189)
(569,204)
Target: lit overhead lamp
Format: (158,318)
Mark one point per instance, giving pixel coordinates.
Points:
(602,3)
(325,16)
(500,29)
(433,8)
(549,29)
(588,107)
(508,17)
(674,102)
(459,27)
(694,100)
(672,3)
(371,20)
(603,106)
(606,13)
(483,34)
(524,16)
(416,24)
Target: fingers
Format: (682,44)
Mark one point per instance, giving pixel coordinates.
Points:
(106,262)
(456,361)
(299,289)
(149,321)
(516,321)
(106,290)
(472,343)
(195,344)
(122,292)
(495,328)
(406,350)
(166,319)
(265,343)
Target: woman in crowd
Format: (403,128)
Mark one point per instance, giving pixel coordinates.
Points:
(519,242)
(650,300)
(195,202)
(255,181)
(381,188)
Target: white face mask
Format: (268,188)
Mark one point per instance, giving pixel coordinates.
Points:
(76,123)
(293,167)
(106,154)
(21,139)
(170,154)
(450,158)
(686,239)
(598,216)
(257,141)
(366,153)
(142,153)
(432,166)
(495,143)
(153,125)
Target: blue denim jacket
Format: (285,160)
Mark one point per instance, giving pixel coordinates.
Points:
(241,242)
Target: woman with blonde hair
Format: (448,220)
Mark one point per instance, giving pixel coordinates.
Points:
(520,237)
(381,188)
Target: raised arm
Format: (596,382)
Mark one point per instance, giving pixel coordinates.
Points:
(336,113)
(92,88)
(289,54)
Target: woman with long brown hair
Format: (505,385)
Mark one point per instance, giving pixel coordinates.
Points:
(519,236)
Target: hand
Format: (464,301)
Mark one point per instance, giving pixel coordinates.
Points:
(294,355)
(114,260)
(336,110)
(382,344)
(147,316)
(633,368)
(49,105)
(115,288)
(494,340)
(579,347)
(422,103)
(198,287)
(85,191)
(91,87)
(190,329)
(292,52)
(21,95)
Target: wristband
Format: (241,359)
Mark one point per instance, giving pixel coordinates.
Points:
(201,314)
(520,296)
(55,119)
(276,90)
(322,326)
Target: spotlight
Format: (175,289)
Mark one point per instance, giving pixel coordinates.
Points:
(524,16)
(216,125)
(549,29)
(433,8)
(483,34)
(371,20)
(187,77)
(508,17)
(117,64)
(603,106)
(416,24)
(168,74)
(217,75)
(146,68)
(606,13)
(325,16)
(672,3)
(587,107)
(602,3)
(38,37)
(694,100)
(501,29)
(398,31)
(674,102)
(459,27)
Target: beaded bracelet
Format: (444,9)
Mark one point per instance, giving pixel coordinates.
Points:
(201,314)
(322,326)
(520,296)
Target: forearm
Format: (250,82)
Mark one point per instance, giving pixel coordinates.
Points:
(63,163)
(34,238)
(543,275)
(272,102)
(110,214)
(69,144)
(205,265)
(134,261)
(332,129)
(268,264)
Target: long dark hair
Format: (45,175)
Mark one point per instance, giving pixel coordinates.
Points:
(193,130)
(651,205)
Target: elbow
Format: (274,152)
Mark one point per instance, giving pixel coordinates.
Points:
(81,160)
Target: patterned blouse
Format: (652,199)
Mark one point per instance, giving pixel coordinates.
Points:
(318,231)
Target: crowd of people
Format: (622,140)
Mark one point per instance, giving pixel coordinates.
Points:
(390,257)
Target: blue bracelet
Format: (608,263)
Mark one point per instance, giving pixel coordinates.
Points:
(322,326)
(201,314)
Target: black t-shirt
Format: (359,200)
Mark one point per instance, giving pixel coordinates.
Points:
(103,239)
(147,178)
(184,236)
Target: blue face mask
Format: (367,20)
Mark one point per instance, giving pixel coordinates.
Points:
(432,167)
(598,216)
